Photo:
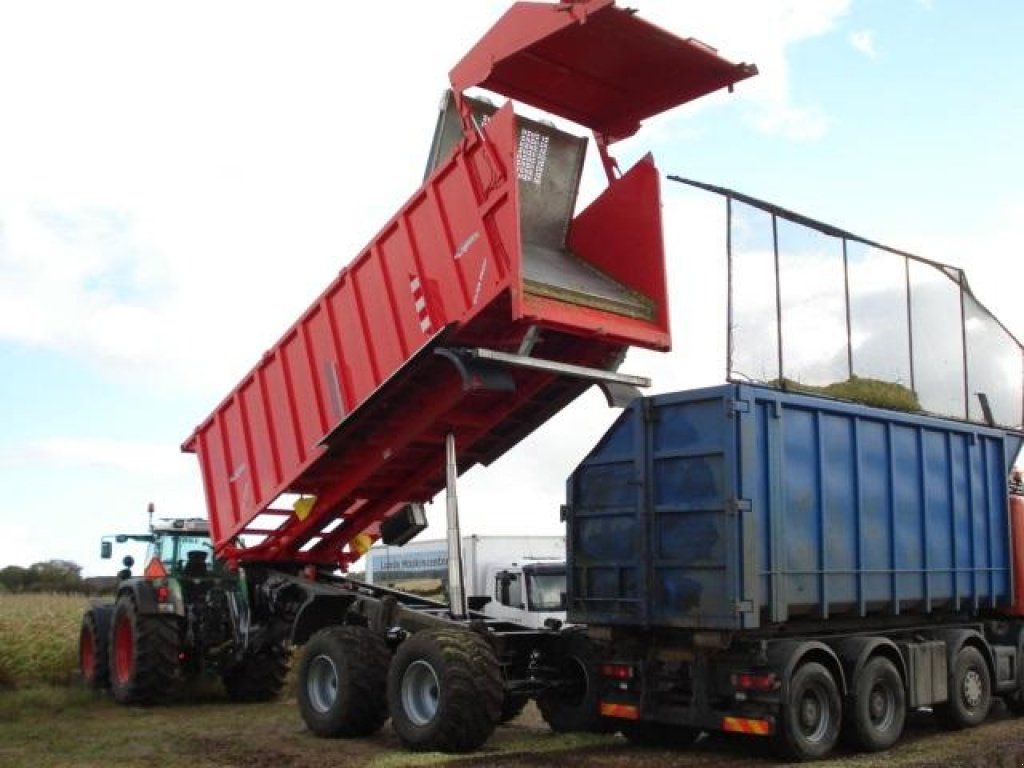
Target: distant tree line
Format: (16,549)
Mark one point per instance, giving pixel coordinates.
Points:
(49,576)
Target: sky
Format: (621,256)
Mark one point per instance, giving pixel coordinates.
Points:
(179,181)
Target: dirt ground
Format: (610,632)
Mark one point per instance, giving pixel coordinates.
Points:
(88,731)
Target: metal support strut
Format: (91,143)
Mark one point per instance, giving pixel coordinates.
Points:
(456,586)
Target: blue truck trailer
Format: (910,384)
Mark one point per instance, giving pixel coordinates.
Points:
(758,561)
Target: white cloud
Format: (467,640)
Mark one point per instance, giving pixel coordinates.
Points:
(864,41)
(180,182)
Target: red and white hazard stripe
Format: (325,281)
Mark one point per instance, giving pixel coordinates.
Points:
(419,300)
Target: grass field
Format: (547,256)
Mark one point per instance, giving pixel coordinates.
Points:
(39,639)
(47,721)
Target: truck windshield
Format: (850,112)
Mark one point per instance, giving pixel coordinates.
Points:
(546,590)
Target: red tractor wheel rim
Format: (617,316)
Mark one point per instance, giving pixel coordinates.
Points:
(87,653)
(123,649)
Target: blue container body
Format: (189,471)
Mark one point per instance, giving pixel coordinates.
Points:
(741,507)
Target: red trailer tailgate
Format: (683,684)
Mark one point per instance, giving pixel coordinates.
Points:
(591,62)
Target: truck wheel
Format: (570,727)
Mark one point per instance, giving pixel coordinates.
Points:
(444,691)
(573,707)
(970,691)
(879,706)
(811,714)
(648,734)
(93,653)
(341,682)
(143,654)
(259,676)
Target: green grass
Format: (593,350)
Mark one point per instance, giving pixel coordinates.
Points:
(39,639)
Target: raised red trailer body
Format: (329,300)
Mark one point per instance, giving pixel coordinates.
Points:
(467,311)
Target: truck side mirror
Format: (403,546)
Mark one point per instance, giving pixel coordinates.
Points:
(106,550)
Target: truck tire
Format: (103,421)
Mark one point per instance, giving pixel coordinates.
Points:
(93,651)
(648,734)
(341,682)
(445,691)
(259,676)
(574,708)
(143,654)
(970,691)
(811,714)
(878,708)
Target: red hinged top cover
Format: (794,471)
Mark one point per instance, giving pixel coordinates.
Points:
(593,63)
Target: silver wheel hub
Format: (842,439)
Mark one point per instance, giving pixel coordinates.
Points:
(421,693)
(973,688)
(322,683)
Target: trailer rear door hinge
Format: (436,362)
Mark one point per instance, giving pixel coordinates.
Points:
(739,406)
(735,506)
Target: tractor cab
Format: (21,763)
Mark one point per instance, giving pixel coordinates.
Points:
(176,548)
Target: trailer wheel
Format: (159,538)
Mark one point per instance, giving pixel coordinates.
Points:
(970,691)
(93,652)
(811,714)
(341,682)
(573,707)
(444,691)
(879,706)
(649,734)
(259,676)
(143,654)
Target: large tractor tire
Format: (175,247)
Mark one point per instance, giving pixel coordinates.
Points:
(93,650)
(341,682)
(143,654)
(573,706)
(259,676)
(445,691)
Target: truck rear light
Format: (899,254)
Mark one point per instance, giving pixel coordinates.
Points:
(761,682)
(622,711)
(752,726)
(617,671)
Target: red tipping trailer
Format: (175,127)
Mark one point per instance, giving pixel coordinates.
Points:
(481,308)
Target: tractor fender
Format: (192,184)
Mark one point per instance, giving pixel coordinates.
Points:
(144,594)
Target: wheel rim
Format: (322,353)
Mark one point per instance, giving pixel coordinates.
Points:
(881,707)
(973,688)
(421,692)
(124,652)
(814,717)
(87,654)
(322,683)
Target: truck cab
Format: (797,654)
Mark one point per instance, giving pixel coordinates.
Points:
(532,594)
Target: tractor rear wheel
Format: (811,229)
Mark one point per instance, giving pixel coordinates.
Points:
(143,654)
(259,676)
(445,691)
(341,682)
(93,653)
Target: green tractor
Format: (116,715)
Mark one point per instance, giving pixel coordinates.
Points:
(187,615)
